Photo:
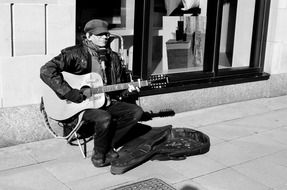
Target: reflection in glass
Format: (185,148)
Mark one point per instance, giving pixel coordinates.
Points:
(179,36)
(236,33)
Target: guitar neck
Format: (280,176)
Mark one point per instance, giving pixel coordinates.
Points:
(116,87)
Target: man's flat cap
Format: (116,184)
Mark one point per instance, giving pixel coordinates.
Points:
(96,26)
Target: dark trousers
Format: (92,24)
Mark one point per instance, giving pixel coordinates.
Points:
(109,125)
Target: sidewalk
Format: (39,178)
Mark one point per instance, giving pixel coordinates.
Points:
(248,152)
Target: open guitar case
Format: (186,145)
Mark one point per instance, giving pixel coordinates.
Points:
(160,143)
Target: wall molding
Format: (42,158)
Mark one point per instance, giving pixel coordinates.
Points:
(29,1)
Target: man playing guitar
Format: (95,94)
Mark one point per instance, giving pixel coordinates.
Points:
(110,122)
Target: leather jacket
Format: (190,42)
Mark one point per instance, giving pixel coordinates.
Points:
(77,60)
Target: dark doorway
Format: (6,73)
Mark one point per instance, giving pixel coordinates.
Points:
(108,10)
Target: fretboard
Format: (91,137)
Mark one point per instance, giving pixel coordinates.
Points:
(116,87)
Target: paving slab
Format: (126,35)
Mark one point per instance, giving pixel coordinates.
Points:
(276,103)
(73,168)
(248,151)
(52,149)
(227,131)
(195,166)
(278,158)
(15,157)
(229,179)
(29,178)
(265,172)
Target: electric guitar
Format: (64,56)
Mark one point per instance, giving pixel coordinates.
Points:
(60,110)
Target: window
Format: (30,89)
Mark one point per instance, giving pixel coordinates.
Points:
(214,43)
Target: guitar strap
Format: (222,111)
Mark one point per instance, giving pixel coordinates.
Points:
(98,67)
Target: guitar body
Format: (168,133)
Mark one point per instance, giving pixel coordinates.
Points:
(58,109)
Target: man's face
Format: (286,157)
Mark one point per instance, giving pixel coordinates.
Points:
(100,39)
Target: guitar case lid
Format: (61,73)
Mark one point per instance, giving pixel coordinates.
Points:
(160,143)
(181,143)
(139,150)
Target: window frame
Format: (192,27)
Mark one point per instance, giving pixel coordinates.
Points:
(210,76)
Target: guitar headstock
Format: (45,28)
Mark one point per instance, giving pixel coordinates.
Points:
(158,81)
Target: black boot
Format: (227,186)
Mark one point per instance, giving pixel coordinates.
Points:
(101,142)
(101,159)
(111,155)
(98,159)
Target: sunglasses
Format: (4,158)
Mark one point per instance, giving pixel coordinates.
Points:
(107,35)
